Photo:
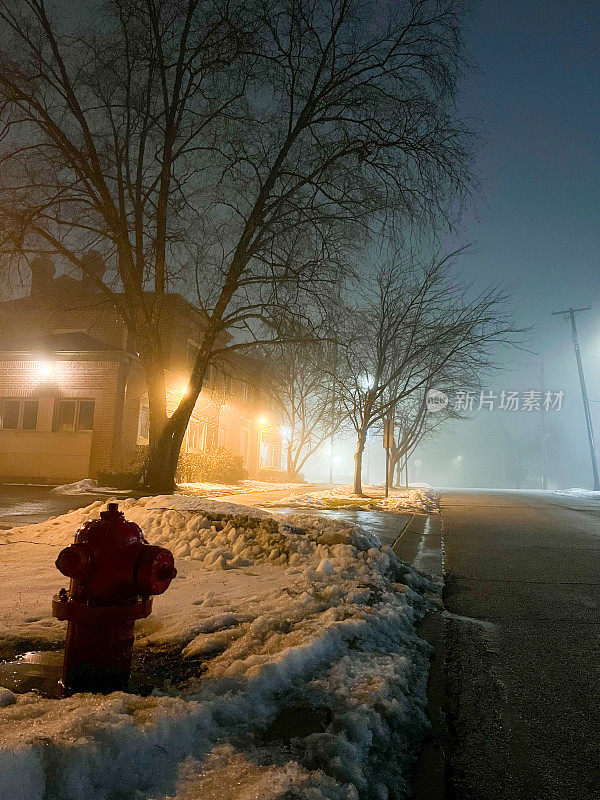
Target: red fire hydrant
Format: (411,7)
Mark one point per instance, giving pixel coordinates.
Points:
(114,573)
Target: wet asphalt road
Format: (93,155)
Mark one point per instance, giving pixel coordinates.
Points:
(523,677)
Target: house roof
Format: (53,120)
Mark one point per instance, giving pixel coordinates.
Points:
(68,342)
(73,341)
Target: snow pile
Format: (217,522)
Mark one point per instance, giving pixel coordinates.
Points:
(86,486)
(421,500)
(198,489)
(582,494)
(273,616)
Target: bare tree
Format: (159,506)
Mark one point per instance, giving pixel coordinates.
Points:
(413,329)
(307,396)
(414,422)
(244,148)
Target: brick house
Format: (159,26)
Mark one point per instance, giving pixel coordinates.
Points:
(73,398)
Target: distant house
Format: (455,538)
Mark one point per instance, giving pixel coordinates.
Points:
(73,397)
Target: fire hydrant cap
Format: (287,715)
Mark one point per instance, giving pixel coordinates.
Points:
(75,561)
(156,570)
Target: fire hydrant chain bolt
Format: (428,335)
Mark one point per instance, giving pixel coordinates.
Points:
(114,572)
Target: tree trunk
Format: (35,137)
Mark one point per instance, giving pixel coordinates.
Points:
(165,443)
(291,462)
(163,455)
(358,456)
(395,459)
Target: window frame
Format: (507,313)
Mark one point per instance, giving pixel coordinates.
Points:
(201,425)
(145,408)
(75,427)
(21,401)
(191,354)
(223,432)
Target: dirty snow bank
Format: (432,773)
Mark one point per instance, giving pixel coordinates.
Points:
(86,486)
(583,494)
(197,489)
(418,499)
(294,614)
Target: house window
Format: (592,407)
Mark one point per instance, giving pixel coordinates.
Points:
(144,422)
(85,415)
(191,355)
(270,454)
(10,414)
(195,436)
(245,392)
(29,415)
(209,378)
(222,436)
(18,414)
(73,415)
(245,445)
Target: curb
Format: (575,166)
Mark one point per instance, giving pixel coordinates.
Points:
(422,545)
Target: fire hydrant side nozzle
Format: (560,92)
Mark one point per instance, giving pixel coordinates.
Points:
(114,572)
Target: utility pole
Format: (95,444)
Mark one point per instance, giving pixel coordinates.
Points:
(544,429)
(570,312)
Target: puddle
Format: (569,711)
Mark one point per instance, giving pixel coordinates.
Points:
(297,722)
(482,623)
(41,672)
(34,671)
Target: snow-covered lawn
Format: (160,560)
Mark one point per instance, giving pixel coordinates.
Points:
(306,678)
(420,499)
(243,487)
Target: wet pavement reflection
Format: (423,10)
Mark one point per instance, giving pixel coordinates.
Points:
(27,504)
(387,525)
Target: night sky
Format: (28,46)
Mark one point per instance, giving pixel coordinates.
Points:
(533,97)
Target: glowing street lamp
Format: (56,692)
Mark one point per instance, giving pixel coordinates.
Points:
(45,370)
(366,381)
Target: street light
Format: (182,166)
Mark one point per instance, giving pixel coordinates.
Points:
(45,370)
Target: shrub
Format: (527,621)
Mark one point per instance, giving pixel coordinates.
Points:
(138,456)
(272,475)
(217,464)
(119,479)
